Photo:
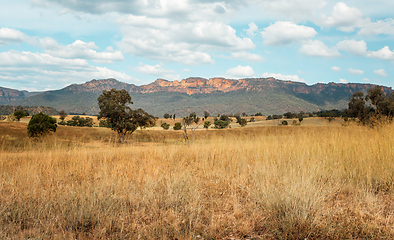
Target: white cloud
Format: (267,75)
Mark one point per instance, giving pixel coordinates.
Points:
(8,36)
(345,18)
(355,71)
(252,29)
(358,48)
(81,50)
(41,71)
(280,76)
(366,80)
(295,10)
(283,33)
(336,69)
(378,27)
(158,71)
(240,72)
(383,54)
(251,57)
(317,48)
(343,81)
(185,42)
(380,72)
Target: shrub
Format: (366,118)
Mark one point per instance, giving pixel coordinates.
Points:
(220,124)
(207,124)
(165,126)
(178,126)
(41,124)
(285,123)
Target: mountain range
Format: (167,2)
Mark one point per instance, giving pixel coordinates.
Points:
(215,95)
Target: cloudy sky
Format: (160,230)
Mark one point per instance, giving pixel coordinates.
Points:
(49,44)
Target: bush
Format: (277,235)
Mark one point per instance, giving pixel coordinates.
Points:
(41,124)
(178,126)
(166,115)
(285,123)
(219,124)
(104,123)
(78,121)
(165,126)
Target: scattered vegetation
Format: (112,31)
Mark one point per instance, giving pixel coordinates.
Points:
(242,183)
(78,121)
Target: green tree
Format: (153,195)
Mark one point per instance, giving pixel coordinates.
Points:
(166,115)
(207,124)
(165,126)
(63,115)
(178,126)
(358,109)
(20,113)
(242,122)
(284,123)
(300,119)
(120,117)
(41,124)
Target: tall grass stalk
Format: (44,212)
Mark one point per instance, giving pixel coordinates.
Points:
(265,182)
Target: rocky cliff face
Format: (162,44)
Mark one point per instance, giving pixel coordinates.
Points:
(8,95)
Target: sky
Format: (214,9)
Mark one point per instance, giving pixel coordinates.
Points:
(50,44)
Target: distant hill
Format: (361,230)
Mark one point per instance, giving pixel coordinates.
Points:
(7,110)
(8,95)
(215,95)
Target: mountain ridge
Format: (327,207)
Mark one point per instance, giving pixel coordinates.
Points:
(216,95)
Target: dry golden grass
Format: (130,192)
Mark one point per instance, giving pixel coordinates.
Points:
(299,182)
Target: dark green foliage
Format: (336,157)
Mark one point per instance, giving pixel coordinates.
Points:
(252,119)
(78,121)
(41,124)
(289,115)
(382,106)
(166,115)
(173,117)
(207,124)
(225,118)
(165,126)
(206,114)
(178,126)
(258,114)
(104,123)
(20,112)
(191,118)
(242,122)
(284,123)
(300,119)
(63,115)
(220,124)
(120,117)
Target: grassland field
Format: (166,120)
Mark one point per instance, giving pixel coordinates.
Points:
(319,180)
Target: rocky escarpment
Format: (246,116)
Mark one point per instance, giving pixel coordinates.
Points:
(8,95)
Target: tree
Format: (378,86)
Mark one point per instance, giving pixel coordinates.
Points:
(166,115)
(173,117)
(41,124)
(20,113)
(120,117)
(242,122)
(63,115)
(358,109)
(284,123)
(207,124)
(300,120)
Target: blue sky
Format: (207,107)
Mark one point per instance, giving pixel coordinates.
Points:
(49,44)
